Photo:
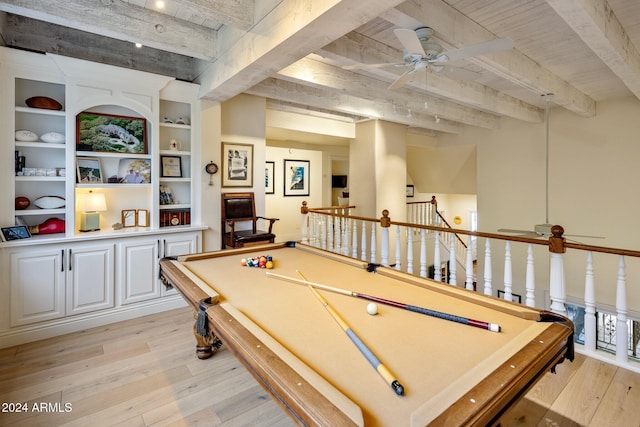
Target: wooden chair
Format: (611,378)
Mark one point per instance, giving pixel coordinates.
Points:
(241,208)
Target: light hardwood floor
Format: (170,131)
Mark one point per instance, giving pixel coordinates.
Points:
(144,373)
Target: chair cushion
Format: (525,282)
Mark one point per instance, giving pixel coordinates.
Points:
(247,236)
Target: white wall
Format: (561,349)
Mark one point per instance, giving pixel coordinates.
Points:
(287,209)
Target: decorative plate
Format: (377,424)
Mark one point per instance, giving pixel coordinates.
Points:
(44,103)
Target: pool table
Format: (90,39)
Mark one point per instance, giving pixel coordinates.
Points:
(452,373)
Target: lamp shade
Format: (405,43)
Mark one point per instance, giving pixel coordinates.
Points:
(92,202)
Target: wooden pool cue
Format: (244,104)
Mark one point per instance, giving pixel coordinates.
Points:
(426,311)
(366,352)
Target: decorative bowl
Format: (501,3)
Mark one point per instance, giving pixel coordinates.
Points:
(44,103)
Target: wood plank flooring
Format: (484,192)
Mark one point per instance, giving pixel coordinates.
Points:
(144,372)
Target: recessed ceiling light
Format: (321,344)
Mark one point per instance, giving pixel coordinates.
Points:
(160,4)
(138,44)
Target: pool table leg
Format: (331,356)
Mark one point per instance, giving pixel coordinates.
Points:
(206,346)
(207,343)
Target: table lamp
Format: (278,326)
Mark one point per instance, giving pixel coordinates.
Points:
(91,204)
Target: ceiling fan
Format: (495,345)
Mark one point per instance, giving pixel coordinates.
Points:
(421,54)
(544,230)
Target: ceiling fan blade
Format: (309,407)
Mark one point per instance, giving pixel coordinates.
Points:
(520,233)
(458,73)
(475,50)
(369,66)
(402,80)
(410,41)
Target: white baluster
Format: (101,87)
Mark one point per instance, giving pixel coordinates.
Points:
(530,280)
(487,268)
(590,306)
(556,283)
(305,227)
(354,243)
(384,247)
(622,332)
(330,232)
(469,265)
(410,250)
(508,275)
(398,249)
(453,280)
(363,249)
(437,273)
(423,253)
(374,243)
(346,223)
(323,231)
(337,233)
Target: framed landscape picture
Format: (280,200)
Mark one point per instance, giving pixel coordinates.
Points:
(110,133)
(237,165)
(296,177)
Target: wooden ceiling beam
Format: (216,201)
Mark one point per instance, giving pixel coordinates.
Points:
(597,25)
(235,13)
(314,73)
(512,65)
(354,48)
(121,21)
(287,33)
(282,90)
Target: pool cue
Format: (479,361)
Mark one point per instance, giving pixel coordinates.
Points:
(426,311)
(366,352)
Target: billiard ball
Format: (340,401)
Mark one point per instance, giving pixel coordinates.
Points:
(372,308)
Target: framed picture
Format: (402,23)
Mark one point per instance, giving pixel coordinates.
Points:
(15,233)
(142,216)
(134,171)
(296,177)
(170,166)
(129,218)
(410,190)
(237,165)
(110,133)
(89,171)
(268,178)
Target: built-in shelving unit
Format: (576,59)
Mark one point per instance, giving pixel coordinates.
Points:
(69,279)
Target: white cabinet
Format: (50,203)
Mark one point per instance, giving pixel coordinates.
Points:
(90,278)
(138,264)
(137,269)
(60,281)
(37,285)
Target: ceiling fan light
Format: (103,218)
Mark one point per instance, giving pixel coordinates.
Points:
(432,50)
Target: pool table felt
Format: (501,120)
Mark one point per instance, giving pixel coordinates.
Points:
(436,361)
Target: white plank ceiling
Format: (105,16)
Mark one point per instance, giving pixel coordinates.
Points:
(293,52)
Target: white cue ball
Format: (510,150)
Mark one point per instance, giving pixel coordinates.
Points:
(372,308)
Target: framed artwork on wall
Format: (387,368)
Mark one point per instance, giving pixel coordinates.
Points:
(269,171)
(110,133)
(237,165)
(296,177)
(410,190)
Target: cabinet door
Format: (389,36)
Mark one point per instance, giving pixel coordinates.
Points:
(179,244)
(37,285)
(138,270)
(90,273)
